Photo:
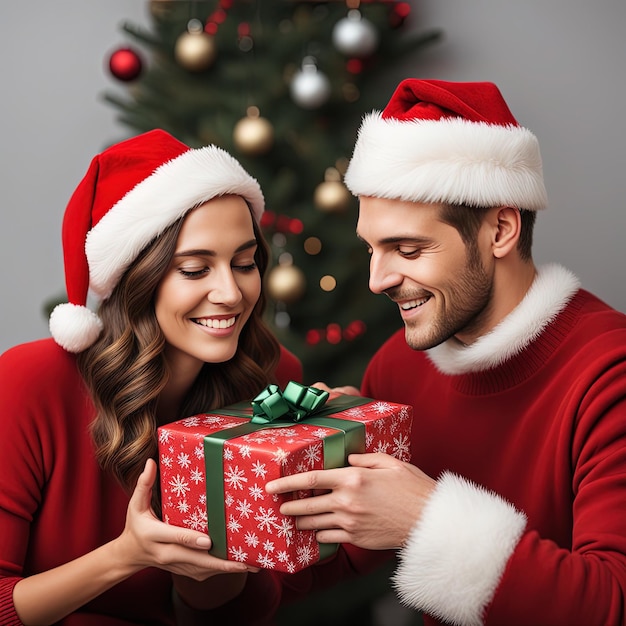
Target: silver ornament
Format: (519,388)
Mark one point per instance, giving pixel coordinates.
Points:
(310,88)
(355,35)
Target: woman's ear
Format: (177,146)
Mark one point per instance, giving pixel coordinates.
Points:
(507,231)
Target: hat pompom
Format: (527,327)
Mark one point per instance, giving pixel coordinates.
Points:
(74,327)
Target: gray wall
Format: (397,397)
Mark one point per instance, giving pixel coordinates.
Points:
(559,64)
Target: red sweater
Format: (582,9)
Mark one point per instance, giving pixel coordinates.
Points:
(527,437)
(55,502)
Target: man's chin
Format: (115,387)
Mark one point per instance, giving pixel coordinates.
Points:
(417,342)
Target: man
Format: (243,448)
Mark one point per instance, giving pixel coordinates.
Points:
(514,509)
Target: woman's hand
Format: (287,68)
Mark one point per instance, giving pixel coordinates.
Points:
(148,542)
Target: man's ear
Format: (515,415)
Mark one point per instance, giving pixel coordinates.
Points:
(506,234)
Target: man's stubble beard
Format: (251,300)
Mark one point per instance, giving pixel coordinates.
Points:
(468,303)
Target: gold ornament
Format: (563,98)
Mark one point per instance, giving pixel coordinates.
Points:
(195,50)
(332,196)
(328,282)
(253,134)
(286,283)
(161,9)
(312,246)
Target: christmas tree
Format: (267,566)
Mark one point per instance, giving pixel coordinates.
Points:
(282,86)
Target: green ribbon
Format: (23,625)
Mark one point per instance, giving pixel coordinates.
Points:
(294,404)
(349,439)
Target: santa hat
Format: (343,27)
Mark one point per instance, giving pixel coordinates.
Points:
(130,194)
(450,143)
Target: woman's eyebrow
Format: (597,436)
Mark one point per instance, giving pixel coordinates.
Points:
(206,252)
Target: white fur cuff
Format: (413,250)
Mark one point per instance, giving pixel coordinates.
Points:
(457,552)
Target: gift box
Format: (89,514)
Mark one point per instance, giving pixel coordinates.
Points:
(214,467)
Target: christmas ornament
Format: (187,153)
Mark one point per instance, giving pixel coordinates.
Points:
(353,330)
(161,9)
(282,319)
(355,35)
(328,283)
(312,245)
(246,43)
(125,64)
(286,283)
(399,13)
(195,50)
(332,196)
(333,333)
(253,134)
(310,88)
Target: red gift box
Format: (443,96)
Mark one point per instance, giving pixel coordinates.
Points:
(225,459)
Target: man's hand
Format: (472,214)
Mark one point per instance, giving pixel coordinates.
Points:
(374,503)
(348,390)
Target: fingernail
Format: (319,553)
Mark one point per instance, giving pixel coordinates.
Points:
(203,542)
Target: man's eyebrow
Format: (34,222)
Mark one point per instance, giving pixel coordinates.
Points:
(399,239)
(206,252)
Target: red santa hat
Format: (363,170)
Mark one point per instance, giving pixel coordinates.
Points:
(130,194)
(450,143)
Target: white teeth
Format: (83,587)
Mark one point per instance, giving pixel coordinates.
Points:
(212,323)
(412,304)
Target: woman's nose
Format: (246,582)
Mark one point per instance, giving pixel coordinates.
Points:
(224,288)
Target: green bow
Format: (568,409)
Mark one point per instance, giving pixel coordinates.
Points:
(293,404)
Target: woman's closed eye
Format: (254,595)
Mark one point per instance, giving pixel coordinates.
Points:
(189,272)
(193,273)
(245,267)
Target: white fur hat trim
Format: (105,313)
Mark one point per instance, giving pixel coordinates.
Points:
(449,161)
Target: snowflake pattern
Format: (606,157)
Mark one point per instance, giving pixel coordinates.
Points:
(235,477)
(183,460)
(251,539)
(196,520)
(256,532)
(179,485)
(259,469)
(197,475)
(257,492)
(402,447)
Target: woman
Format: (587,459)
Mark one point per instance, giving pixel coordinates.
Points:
(167,239)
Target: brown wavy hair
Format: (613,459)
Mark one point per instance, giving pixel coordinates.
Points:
(126,369)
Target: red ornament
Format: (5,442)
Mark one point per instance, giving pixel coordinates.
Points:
(333,333)
(313,337)
(295,226)
(354,66)
(353,330)
(125,64)
(399,14)
(267,219)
